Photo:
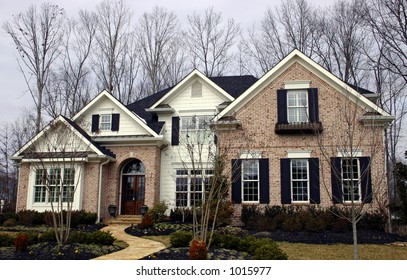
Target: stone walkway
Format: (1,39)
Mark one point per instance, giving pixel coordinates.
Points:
(137,249)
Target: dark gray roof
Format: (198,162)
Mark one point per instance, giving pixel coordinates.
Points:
(233,85)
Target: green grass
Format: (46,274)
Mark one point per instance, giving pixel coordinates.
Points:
(300,251)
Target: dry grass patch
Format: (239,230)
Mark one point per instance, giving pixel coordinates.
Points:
(164,239)
(300,251)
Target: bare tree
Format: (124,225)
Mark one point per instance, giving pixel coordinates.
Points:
(292,25)
(157,36)
(387,19)
(69,86)
(111,56)
(57,157)
(341,149)
(37,35)
(210,41)
(343,40)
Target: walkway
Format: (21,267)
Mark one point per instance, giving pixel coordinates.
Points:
(137,249)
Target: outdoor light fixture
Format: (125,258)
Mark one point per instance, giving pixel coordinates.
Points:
(143,209)
(112,210)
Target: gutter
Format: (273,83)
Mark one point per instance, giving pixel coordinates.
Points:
(100,187)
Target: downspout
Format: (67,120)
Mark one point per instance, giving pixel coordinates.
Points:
(100,187)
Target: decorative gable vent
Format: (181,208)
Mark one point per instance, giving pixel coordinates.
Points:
(196,90)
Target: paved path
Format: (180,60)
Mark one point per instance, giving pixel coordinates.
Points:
(138,247)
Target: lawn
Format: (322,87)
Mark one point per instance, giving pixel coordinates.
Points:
(301,251)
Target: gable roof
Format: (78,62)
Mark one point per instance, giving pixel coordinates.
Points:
(131,114)
(291,58)
(79,132)
(193,75)
(232,85)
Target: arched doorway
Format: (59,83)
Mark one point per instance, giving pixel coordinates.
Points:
(133,187)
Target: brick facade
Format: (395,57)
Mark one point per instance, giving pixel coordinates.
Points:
(259,116)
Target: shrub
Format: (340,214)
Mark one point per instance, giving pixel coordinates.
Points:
(292,223)
(269,251)
(30,217)
(373,221)
(21,242)
(146,222)
(180,238)
(6,240)
(198,250)
(157,213)
(262,223)
(10,223)
(315,224)
(248,214)
(48,236)
(101,238)
(339,225)
(228,241)
(225,213)
(181,215)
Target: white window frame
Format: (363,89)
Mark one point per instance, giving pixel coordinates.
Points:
(45,204)
(356,180)
(244,180)
(105,125)
(193,126)
(296,118)
(292,180)
(206,174)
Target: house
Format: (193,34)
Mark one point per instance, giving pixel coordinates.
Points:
(279,131)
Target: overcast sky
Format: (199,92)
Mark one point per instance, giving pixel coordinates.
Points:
(14,96)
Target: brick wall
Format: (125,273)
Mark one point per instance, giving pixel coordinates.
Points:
(259,116)
(23,181)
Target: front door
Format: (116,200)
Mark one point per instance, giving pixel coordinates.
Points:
(132,194)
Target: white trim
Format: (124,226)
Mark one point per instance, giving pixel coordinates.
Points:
(291,182)
(290,59)
(258,182)
(250,155)
(131,114)
(195,74)
(16,156)
(297,84)
(344,153)
(298,154)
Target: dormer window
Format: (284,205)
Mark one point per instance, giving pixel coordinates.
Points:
(105,122)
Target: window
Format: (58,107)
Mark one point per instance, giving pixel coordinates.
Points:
(299,180)
(250,180)
(297,106)
(191,185)
(61,183)
(105,122)
(350,180)
(195,129)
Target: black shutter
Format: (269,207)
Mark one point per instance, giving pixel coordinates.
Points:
(95,123)
(282,106)
(175,131)
(313,105)
(314,181)
(115,122)
(336,179)
(264,181)
(236,181)
(285,174)
(366,179)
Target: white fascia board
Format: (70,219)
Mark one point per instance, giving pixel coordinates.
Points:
(185,81)
(133,115)
(297,56)
(41,133)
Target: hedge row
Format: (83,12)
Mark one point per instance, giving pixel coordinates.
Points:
(32,218)
(309,219)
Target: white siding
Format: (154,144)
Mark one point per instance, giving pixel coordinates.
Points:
(184,105)
(127,126)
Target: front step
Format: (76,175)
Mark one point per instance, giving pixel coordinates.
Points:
(124,219)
